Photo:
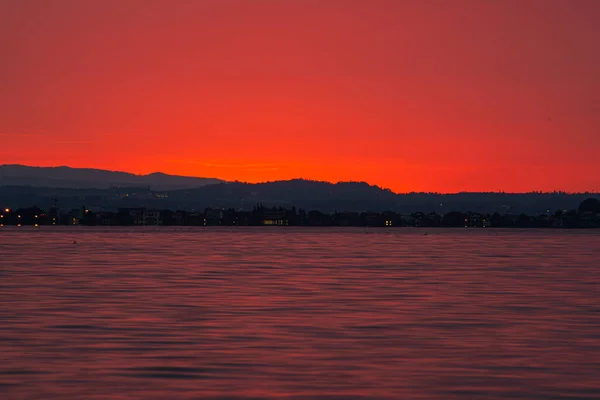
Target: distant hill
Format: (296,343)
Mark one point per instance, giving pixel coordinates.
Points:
(360,196)
(87,178)
(296,192)
(299,193)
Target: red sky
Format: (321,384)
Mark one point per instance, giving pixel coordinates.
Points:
(430,95)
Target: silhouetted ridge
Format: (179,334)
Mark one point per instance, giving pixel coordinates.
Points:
(184,193)
(89,178)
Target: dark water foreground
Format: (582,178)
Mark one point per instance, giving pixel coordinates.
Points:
(299,313)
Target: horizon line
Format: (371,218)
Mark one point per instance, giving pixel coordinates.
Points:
(224,181)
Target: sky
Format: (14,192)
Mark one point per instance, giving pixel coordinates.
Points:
(428,95)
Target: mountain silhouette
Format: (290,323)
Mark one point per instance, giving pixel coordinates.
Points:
(299,193)
(22,186)
(88,178)
(292,193)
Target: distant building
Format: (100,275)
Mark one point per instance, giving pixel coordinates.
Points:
(179,217)
(244,218)
(195,219)
(137,215)
(72,217)
(152,217)
(54,215)
(275,217)
(474,220)
(391,219)
(131,215)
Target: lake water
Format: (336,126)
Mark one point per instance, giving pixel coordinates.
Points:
(253,313)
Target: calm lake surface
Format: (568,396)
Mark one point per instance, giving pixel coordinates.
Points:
(252,313)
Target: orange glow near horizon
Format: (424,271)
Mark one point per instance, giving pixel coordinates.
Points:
(412,96)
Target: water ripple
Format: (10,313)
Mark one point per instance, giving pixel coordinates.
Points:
(252,313)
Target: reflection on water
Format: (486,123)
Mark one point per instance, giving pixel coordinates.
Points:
(299,313)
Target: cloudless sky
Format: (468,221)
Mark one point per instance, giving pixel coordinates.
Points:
(415,95)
